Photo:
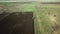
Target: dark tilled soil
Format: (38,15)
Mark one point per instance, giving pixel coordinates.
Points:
(17,23)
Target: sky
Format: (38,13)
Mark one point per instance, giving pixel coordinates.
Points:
(50,0)
(34,0)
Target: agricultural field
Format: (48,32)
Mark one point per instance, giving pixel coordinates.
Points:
(46,16)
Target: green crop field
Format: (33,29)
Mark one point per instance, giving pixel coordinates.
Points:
(46,16)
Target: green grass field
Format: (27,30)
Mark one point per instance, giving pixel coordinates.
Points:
(46,16)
